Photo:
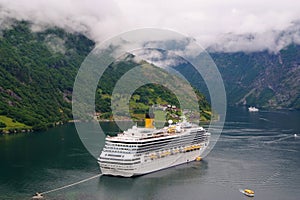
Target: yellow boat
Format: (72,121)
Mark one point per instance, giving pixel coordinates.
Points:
(165,153)
(198,158)
(172,129)
(248,192)
(153,156)
(188,148)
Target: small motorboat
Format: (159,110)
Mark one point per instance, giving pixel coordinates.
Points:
(253,109)
(38,196)
(248,192)
(295,135)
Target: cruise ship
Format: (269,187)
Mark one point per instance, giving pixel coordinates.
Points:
(142,150)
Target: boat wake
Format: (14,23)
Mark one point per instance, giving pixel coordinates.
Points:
(40,195)
(241,190)
(279,139)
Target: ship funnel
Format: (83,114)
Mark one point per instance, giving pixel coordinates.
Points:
(149,120)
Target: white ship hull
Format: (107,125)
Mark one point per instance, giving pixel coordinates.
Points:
(154,165)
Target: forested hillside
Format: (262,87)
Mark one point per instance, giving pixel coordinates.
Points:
(37,72)
(145,96)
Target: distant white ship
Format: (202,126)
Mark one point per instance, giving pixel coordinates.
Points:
(253,109)
(141,150)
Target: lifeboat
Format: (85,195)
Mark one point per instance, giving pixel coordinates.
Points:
(153,156)
(172,129)
(165,153)
(188,148)
(176,151)
(198,158)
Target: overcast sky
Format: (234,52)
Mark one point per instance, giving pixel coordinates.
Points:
(224,25)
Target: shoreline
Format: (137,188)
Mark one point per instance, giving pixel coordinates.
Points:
(12,131)
(31,130)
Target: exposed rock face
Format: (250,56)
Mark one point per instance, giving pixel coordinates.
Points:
(260,79)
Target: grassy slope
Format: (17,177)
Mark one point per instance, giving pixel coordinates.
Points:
(12,124)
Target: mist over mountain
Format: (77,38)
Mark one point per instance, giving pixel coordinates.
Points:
(227,26)
(38,71)
(254,44)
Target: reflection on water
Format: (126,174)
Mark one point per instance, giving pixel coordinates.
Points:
(149,185)
(255,150)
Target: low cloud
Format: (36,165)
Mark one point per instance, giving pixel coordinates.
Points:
(163,59)
(230,26)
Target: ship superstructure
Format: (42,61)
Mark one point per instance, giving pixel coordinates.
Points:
(141,150)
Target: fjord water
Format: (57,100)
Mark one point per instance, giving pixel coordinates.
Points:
(256,151)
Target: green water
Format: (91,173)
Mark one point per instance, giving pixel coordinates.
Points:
(256,150)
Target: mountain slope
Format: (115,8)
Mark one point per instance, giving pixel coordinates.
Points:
(147,95)
(38,69)
(37,72)
(261,79)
